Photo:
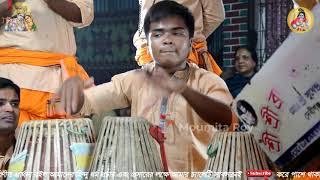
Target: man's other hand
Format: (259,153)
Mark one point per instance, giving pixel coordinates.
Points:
(71,94)
(4,11)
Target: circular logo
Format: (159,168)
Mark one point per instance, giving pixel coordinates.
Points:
(300,20)
(246,113)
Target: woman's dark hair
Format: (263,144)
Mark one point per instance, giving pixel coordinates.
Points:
(6,83)
(166,9)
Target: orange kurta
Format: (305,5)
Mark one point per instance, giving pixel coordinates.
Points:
(33,103)
(187,134)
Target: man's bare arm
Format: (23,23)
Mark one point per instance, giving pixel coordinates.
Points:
(68,10)
(4,11)
(210,110)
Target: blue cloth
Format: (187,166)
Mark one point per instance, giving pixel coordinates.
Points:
(236,84)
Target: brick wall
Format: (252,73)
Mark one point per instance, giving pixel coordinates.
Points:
(235,28)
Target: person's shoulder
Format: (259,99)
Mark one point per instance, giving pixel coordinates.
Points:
(133,77)
(135,74)
(204,74)
(231,78)
(236,76)
(210,84)
(128,74)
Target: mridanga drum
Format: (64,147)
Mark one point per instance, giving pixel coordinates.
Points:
(234,152)
(125,148)
(53,148)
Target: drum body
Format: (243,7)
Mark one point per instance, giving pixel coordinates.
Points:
(234,152)
(124,149)
(52,148)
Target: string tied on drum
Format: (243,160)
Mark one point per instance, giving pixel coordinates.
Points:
(82,131)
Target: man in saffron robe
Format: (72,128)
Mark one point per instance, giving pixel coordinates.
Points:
(37,48)
(188,98)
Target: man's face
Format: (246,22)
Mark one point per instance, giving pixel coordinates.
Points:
(9,110)
(28,19)
(244,63)
(169,42)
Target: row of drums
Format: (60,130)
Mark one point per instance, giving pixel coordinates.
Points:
(68,149)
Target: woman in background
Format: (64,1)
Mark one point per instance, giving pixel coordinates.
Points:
(245,68)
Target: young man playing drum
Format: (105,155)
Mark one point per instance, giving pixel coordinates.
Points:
(9,115)
(188,98)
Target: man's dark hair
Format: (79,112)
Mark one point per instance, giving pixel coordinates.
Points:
(6,83)
(166,9)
